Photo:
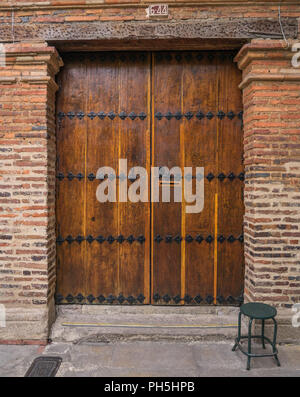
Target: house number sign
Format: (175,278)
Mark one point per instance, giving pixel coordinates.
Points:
(158,10)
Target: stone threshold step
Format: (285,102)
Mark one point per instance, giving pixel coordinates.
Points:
(112,324)
(144,309)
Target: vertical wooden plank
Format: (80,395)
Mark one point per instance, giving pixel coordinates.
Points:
(70,194)
(183,207)
(152,162)
(199,98)
(166,260)
(134,146)
(102,150)
(231,210)
(216,250)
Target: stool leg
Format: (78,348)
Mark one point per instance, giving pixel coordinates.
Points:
(249,343)
(239,333)
(263,333)
(274,342)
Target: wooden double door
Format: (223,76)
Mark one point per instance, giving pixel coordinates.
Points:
(161,109)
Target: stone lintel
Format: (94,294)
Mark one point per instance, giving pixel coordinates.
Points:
(205,28)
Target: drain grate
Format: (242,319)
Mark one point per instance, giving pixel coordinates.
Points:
(44,367)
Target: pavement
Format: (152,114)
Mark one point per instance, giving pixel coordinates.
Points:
(150,359)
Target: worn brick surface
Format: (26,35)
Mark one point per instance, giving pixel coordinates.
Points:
(27,158)
(271,96)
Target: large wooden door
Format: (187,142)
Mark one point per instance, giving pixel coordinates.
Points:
(162,109)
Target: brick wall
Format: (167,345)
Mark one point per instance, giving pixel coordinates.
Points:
(271,96)
(93,10)
(27,185)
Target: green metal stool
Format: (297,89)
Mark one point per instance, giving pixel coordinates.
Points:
(258,311)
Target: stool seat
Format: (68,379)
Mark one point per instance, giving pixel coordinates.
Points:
(258,310)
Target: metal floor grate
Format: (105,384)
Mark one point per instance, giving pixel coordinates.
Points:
(44,367)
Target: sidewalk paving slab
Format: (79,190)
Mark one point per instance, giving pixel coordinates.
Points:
(150,359)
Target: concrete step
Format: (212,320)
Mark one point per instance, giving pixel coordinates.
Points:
(90,324)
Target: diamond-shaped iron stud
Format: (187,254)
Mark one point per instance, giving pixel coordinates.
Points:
(200,115)
(120,239)
(210,177)
(199,239)
(79,239)
(101,298)
(140,298)
(100,239)
(166,298)
(221,114)
(131,299)
(169,115)
(71,115)
(101,115)
(220,299)
(209,299)
(241,176)
(187,299)
(141,239)
(168,239)
(142,116)
(122,115)
(178,239)
(110,299)
(70,239)
(111,115)
(221,239)
(110,239)
(59,298)
(92,115)
(91,298)
(130,239)
(69,298)
(209,239)
(121,298)
(156,297)
(221,177)
(158,238)
(91,177)
(132,116)
(188,238)
(59,240)
(177,299)
(198,299)
(188,115)
(231,239)
(231,176)
(80,115)
(90,239)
